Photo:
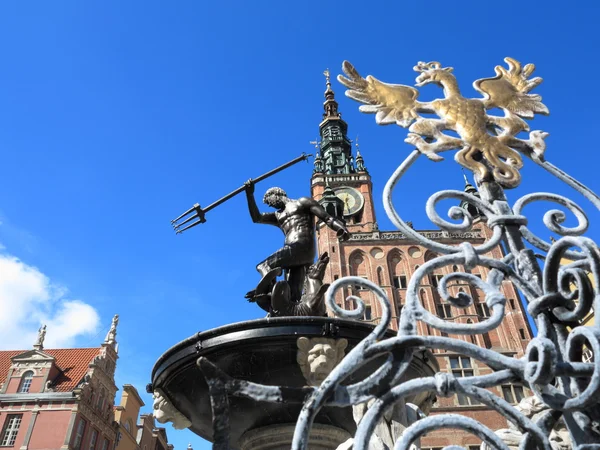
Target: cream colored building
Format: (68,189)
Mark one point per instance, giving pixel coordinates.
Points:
(137,433)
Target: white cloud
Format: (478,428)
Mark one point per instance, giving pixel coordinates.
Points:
(28,298)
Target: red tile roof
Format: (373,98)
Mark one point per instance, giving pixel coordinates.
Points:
(73,362)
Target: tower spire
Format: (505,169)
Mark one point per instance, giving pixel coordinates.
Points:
(470,189)
(336,148)
(330,105)
(360,162)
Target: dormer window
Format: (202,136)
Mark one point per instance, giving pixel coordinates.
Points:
(25,382)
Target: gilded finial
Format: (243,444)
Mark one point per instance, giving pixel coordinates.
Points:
(327,78)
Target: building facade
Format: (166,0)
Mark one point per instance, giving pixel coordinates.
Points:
(344,187)
(59,398)
(137,432)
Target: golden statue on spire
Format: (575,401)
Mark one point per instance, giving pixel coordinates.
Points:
(488,144)
(327,76)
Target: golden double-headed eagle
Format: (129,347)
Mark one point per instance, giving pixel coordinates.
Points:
(487,144)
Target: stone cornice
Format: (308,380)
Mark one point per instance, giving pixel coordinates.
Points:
(437,235)
(36,397)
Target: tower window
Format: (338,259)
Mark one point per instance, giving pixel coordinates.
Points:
(400,281)
(522,333)
(26,382)
(512,303)
(482,309)
(367,312)
(359,287)
(444,311)
(435,279)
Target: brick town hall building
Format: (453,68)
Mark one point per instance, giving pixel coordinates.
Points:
(343,186)
(63,399)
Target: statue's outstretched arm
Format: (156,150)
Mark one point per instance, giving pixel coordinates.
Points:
(255,214)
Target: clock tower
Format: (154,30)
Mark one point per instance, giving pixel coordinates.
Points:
(339,182)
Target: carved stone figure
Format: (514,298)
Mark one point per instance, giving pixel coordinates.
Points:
(533,408)
(111,336)
(39,343)
(164,411)
(296,218)
(318,356)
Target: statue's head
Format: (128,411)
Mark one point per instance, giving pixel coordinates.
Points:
(318,356)
(431,72)
(275,197)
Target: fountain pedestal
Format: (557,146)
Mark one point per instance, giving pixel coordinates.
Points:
(266,352)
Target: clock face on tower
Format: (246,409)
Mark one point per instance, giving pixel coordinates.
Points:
(353,200)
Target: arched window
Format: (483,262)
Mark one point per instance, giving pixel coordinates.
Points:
(455,268)
(25,383)
(380,276)
(358,266)
(473,339)
(398,271)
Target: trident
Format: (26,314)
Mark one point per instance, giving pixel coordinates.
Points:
(198,213)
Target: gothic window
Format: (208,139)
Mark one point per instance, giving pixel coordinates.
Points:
(444,310)
(358,265)
(79,434)
(380,276)
(398,272)
(473,339)
(435,279)
(25,383)
(367,315)
(400,281)
(93,439)
(512,393)
(483,310)
(461,366)
(11,429)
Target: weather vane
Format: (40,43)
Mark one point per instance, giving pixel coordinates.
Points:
(327,76)
(487,144)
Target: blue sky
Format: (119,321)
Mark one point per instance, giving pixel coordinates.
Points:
(117,116)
